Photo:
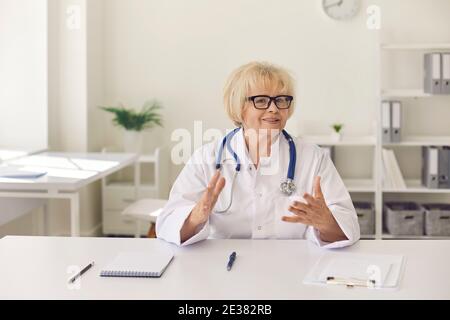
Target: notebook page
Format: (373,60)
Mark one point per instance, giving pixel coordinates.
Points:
(152,264)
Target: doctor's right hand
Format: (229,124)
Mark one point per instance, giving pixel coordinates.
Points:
(203,209)
(200,213)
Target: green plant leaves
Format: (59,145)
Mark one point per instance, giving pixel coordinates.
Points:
(130,119)
(337,127)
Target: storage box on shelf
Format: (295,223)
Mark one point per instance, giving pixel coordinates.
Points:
(437,219)
(410,220)
(366,218)
(404,218)
(147,179)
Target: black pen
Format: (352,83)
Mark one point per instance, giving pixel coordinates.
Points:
(231,260)
(79,274)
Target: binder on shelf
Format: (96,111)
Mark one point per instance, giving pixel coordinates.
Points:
(396,114)
(432,73)
(388,174)
(444,168)
(445,83)
(392,175)
(386,121)
(430,165)
(399,181)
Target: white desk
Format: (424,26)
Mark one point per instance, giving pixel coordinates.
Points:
(67,174)
(7,154)
(36,268)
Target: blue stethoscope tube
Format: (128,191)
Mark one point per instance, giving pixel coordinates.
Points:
(287,187)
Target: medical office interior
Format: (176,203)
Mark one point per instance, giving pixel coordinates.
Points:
(372,88)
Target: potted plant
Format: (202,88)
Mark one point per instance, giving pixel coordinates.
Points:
(135,122)
(336,134)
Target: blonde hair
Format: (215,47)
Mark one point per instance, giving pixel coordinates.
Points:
(249,76)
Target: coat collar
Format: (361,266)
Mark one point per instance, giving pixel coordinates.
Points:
(239,146)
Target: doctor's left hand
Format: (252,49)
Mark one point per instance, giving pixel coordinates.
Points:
(317,214)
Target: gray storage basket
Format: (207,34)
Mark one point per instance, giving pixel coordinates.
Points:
(366,217)
(437,219)
(404,218)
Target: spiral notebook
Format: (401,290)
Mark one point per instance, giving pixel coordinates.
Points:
(138,264)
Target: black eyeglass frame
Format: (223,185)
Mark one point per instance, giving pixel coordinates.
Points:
(290,99)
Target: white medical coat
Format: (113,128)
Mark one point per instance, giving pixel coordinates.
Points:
(258,203)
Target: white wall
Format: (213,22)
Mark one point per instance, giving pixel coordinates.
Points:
(23,86)
(182,51)
(76,77)
(71,74)
(23,74)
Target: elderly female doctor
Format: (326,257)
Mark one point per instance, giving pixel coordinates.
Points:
(259,182)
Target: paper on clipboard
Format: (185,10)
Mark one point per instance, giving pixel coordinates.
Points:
(385,269)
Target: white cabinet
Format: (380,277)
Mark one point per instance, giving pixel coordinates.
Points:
(148,178)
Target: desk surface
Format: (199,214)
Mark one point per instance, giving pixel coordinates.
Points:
(7,154)
(36,268)
(66,171)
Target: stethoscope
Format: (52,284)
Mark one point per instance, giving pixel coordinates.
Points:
(287,187)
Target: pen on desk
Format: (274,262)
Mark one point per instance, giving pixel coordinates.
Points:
(231,260)
(79,274)
(350,283)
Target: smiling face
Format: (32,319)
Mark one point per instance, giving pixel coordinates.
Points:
(254,79)
(271,119)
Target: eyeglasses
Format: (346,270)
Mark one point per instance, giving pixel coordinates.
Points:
(263,102)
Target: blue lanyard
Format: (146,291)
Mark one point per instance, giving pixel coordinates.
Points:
(292,156)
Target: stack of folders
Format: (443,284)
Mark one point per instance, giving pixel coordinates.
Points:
(391,114)
(437,73)
(357,270)
(392,175)
(436,167)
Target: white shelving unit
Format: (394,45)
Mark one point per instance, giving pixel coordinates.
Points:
(413,186)
(416,46)
(404,93)
(147,179)
(373,188)
(346,141)
(418,141)
(390,236)
(360,185)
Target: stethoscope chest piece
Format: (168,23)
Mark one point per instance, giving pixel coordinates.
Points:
(288,187)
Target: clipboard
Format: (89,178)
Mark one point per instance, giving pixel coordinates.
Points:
(357,270)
